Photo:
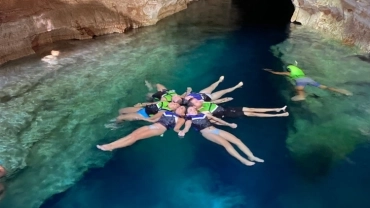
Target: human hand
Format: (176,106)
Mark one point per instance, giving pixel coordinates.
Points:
(233,125)
(181,134)
(138,105)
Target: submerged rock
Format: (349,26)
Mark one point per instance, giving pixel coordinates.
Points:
(328,126)
(346,20)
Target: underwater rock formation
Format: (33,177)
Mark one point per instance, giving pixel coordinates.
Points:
(25,25)
(347,20)
(327,126)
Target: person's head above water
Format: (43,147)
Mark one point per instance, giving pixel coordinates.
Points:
(192,102)
(288,66)
(191,111)
(181,111)
(177,99)
(173,106)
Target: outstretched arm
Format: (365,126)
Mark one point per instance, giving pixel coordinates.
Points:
(221,121)
(185,129)
(188,91)
(278,73)
(217,123)
(179,124)
(154,118)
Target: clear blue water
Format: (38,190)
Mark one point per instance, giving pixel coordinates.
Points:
(192,48)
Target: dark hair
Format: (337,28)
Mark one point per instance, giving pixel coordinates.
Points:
(184,102)
(190,104)
(179,101)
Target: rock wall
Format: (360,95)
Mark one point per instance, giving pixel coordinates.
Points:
(347,20)
(26,25)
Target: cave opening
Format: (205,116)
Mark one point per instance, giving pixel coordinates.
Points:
(265,12)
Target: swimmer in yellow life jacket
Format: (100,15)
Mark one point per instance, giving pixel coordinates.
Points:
(302,81)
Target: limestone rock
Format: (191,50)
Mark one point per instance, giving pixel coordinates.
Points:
(27,24)
(347,20)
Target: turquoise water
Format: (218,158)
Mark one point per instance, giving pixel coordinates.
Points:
(56,111)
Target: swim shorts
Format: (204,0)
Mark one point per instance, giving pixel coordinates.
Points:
(306,81)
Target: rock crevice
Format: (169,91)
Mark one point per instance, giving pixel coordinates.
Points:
(346,20)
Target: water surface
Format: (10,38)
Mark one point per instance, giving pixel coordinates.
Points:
(57,112)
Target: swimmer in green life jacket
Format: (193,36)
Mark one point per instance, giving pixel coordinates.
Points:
(302,81)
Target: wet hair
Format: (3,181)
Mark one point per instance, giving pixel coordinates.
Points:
(180,101)
(181,116)
(287,66)
(190,104)
(184,103)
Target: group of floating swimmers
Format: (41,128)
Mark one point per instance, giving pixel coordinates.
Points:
(200,111)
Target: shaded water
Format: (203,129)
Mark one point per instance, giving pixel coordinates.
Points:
(55,115)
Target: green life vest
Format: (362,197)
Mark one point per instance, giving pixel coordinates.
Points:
(163,105)
(168,96)
(208,107)
(295,72)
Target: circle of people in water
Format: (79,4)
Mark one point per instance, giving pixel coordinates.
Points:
(200,111)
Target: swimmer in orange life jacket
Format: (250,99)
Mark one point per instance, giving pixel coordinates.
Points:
(302,81)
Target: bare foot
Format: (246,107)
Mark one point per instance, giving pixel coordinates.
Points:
(249,163)
(282,109)
(256,159)
(104,147)
(345,92)
(148,85)
(239,85)
(298,98)
(221,79)
(284,114)
(188,90)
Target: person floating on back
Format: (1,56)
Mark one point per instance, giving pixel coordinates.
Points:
(302,81)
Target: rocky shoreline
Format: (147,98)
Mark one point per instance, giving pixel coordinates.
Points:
(27,25)
(346,20)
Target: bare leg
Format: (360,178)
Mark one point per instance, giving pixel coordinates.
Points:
(128,110)
(265,114)
(263,110)
(128,117)
(218,94)
(213,86)
(341,91)
(222,100)
(160,87)
(140,133)
(231,138)
(300,94)
(229,148)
